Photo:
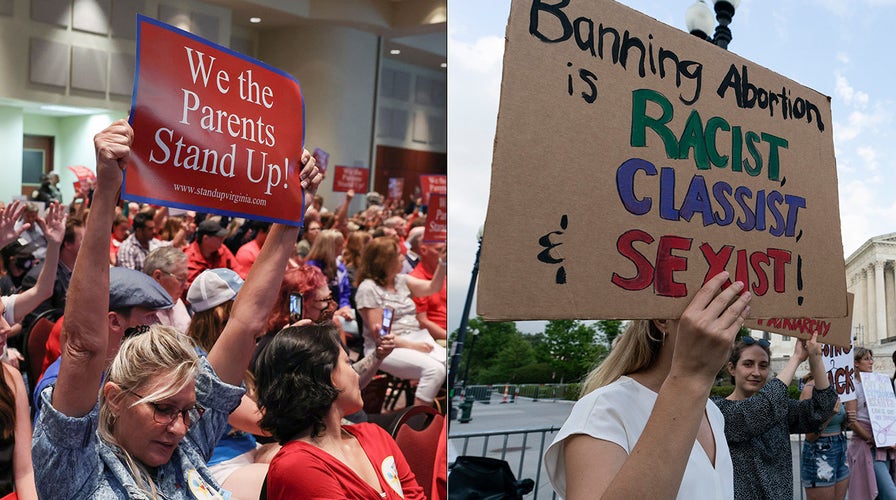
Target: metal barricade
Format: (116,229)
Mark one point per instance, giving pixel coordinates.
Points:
(529,463)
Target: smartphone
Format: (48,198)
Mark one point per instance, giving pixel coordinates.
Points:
(295,307)
(388,312)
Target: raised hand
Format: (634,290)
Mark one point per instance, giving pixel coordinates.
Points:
(113,146)
(707,328)
(8,218)
(53,223)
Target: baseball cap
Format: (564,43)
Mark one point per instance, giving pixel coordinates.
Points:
(213,287)
(129,288)
(18,248)
(211,228)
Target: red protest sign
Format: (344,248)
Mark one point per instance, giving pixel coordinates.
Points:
(436,228)
(86,177)
(354,178)
(214,130)
(396,187)
(433,184)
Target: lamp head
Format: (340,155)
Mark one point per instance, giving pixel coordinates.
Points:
(699,19)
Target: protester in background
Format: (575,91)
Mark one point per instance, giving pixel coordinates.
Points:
(432,311)
(18,259)
(208,251)
(30,232)
(416,354)
(823,470)
(136,247)
(870,466)
(119,234)
(247,253)
(305,387)
(326,255)
(312,229)
(644,427)
(168,266)
(760,416)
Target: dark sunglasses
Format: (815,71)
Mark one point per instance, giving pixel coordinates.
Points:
(747,340)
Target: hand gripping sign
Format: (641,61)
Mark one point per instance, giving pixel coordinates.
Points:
(214,130)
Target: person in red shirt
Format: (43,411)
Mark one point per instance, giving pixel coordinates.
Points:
(306,384)
(432,311)
(209,252)
(247,253)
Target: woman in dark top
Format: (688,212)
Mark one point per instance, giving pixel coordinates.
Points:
(760,416)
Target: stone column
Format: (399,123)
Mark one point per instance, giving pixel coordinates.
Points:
(869,304)
(880,304)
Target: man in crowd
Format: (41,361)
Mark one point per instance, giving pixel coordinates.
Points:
(209,252)
(136,247)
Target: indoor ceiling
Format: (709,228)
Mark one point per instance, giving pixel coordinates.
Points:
(418,28)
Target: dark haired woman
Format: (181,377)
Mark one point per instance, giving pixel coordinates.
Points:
(305,386)
(760,416)
(16,471)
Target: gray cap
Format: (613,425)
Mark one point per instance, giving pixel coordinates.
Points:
(213,287)
(129,288)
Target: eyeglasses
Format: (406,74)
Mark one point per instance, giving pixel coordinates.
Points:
(167,414)
(178,278)
(750,341)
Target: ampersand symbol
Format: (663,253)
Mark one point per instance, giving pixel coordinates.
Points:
(545,255)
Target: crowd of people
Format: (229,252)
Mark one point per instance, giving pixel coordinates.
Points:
(177,366)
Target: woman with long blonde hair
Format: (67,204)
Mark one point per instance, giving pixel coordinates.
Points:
(645,427)
(326,255)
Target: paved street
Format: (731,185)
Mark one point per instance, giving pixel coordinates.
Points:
(525,457)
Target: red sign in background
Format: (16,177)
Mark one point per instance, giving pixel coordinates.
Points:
(214,130)
(345,178)
(436,228)
(433,184)
(322,158)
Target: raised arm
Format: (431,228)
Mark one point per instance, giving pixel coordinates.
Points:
(85,334)
(233,350)
(423,288)
(53,226)
(8,218)
(601,469)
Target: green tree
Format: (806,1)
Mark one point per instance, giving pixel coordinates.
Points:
(611,328)
(483,345)
(572,347)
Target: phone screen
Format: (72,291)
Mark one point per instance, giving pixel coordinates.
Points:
(295,307)
(387,321)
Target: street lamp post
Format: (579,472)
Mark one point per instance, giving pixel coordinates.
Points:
(457,346)
(698,19)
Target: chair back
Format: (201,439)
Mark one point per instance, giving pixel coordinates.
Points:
(417,432)
(34,343)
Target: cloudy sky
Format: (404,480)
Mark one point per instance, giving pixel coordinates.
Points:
(836,47)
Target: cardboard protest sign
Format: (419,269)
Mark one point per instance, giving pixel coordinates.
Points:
(840,365)
(836,331)
(430,184)
(346,178)
(634,161)
(436,228)
(396,187)
(881,407)
(214,130)
(322,158)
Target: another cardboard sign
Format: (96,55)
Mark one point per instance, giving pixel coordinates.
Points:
(214,130)
(430,184)
(436,228)
(881,407)
(836,331)
(633,162)
(350,178)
